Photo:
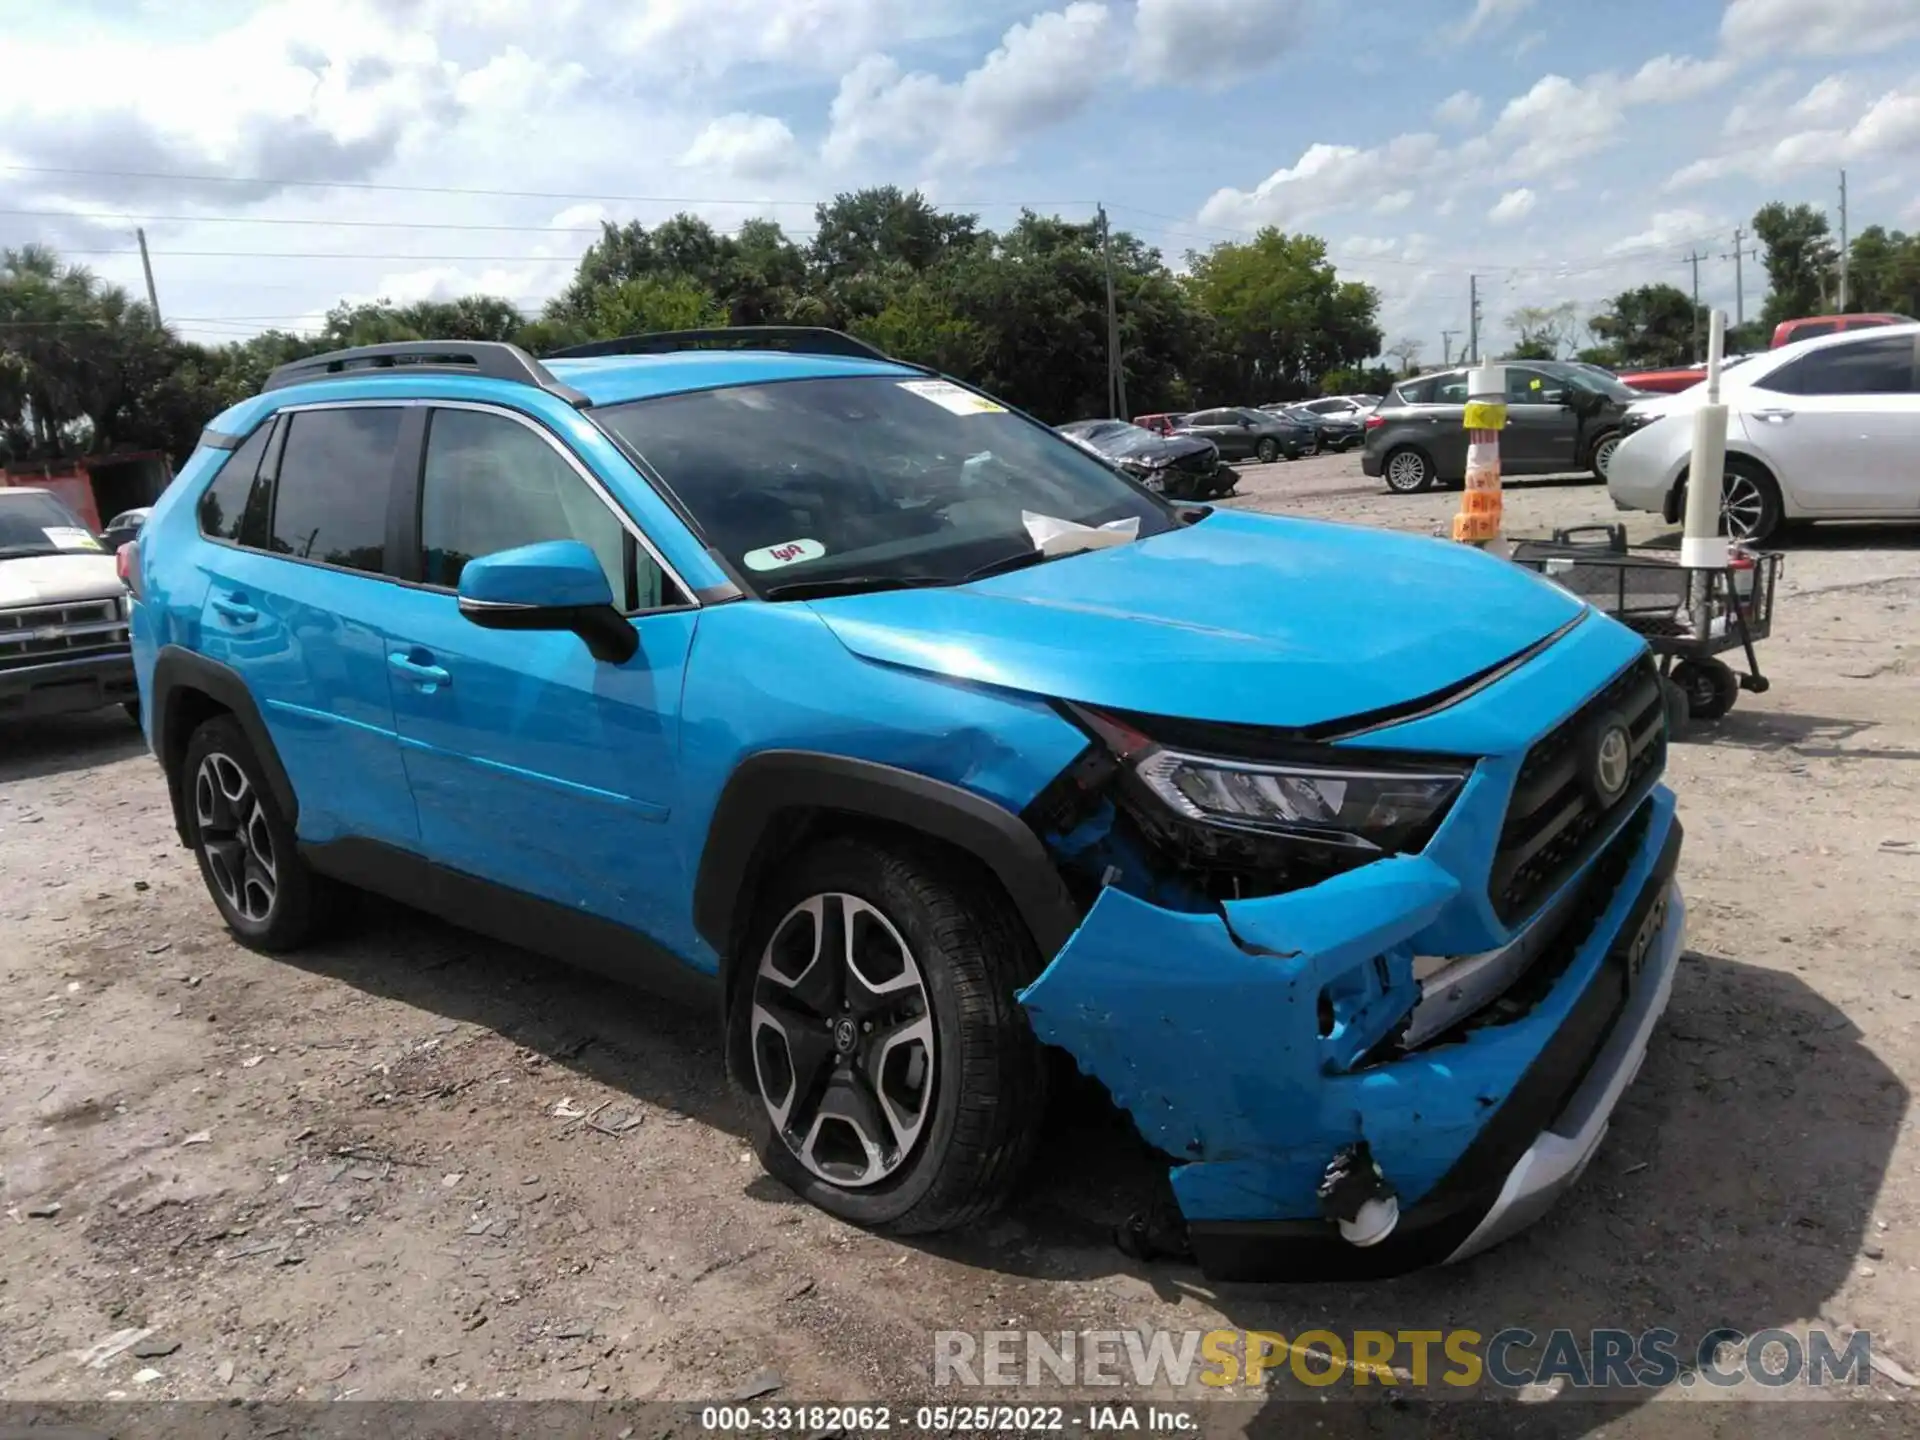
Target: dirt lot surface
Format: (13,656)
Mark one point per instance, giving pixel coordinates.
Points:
(365,1172)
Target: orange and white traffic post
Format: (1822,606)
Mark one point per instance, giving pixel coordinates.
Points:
(1479,520)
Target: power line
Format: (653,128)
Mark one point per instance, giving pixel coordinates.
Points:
(384,187)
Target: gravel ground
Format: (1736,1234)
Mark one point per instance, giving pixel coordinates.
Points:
(364,1172)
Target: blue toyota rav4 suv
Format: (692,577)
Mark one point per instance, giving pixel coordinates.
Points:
(925,741)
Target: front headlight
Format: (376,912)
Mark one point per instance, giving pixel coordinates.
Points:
(1377,810)
(1361,809)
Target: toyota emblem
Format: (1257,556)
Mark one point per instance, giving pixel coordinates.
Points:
(1612,760)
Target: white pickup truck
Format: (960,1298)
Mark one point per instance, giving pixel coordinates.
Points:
(63,613)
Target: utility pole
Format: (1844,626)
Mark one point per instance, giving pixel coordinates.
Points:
(146,264)
(1739,288)
(1446,347)
(1473,319)
(1694,260)
(1116,375)
(1842,306)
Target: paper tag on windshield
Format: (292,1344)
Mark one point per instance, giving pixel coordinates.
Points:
(69,537)
(952,398)
(792,552)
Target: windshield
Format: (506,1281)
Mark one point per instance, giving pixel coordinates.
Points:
(869,478)
(1120,441)
(32,522)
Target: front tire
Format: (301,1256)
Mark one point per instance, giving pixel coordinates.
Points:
(1602,456)
(1407,471)
(1750,507)
(897,1084)
(1267,451)
(246,848)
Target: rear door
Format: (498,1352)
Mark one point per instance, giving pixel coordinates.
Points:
(1840,427)
(534,765)
(299,583)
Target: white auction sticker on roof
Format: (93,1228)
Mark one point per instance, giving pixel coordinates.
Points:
(790,553)
(69,537)
(951,397)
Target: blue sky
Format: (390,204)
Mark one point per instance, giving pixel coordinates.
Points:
(283,155)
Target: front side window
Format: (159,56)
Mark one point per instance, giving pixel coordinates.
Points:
(868,479)
(1882,365)
(1451,389)
(491,484)
(330,498)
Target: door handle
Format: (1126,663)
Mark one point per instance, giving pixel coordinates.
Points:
(417,671)
(1774,416)
(235,608)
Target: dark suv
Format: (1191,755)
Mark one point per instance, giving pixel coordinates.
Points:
(1560,419)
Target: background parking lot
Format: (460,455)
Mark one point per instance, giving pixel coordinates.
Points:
(412,1163)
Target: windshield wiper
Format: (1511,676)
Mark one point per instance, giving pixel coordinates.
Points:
(16,552)
(848,585)
(1019,560)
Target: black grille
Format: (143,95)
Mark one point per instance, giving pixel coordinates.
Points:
(44,633)
(1556,818)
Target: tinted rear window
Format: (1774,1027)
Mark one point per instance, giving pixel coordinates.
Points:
(223,507)
(330,502)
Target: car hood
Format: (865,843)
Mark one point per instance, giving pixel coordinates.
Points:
(57,579)
(1164,450)
(1240,618)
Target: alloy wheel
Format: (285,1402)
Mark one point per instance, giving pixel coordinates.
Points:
(235,839)
(1743,509)
(843,1040)
(1603,454)
(1406,471)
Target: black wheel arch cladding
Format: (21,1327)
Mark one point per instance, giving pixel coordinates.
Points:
(187,690)
(775,784)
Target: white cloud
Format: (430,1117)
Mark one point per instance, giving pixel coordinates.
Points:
(1827,101)
(1045,71)
(1212,44)
(1887,126)
(1325,178)
(1817,27)
(1489,15)
(1666,230)
(1393,202)
(1513,206)
(1553,124)
(1459,109)
(1669,78)
(749,147)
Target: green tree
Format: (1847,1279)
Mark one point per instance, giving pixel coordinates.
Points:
(1650,326)
(1282,317)
(1799,259)
(638,307)
(861,229)
(1883,271)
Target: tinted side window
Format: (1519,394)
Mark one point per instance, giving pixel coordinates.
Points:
(1880,366)
(491,484)
(1451,389)
(1413,392)
(330,500)
(224,505)
(1534,387)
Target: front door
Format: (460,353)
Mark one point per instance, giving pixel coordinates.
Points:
(1225,429)
(534,765)
(299,587)
(1543,432)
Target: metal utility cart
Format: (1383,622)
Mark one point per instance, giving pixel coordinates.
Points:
(1690,617)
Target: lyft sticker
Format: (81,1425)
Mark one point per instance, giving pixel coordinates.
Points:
(793,552)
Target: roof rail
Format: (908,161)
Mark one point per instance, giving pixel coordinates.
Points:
(798,339)
(488,359)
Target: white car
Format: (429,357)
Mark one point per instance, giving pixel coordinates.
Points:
(1822,429)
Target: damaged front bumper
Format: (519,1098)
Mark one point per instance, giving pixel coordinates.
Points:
(1254,1041)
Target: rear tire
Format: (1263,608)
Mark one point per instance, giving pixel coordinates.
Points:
(248,855)
(915,924)
(1407,471)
